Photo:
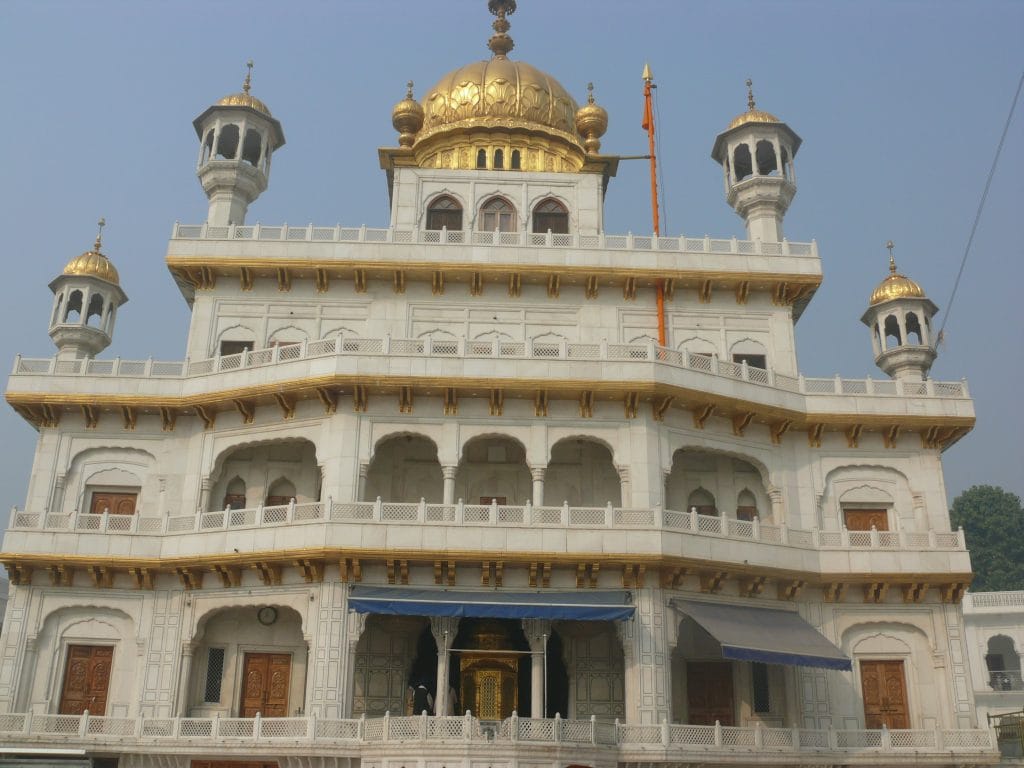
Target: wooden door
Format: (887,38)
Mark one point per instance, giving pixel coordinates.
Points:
(114,503)
(265,681)
(709,692)
(86,680)
(277,501)
(884,688)
(864,519)
(499,500)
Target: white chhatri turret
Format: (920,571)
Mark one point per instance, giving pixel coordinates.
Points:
(86,296)
(237,136)
(899,315)
(756,152)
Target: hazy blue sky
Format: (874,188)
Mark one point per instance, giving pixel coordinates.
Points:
(900,105)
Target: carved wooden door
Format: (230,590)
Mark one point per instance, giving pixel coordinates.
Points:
(709,692)
(86,680)
(114,503)
(864,519)
(265,681)
(884,689)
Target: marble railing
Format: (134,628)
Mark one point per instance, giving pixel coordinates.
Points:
(495,515)
(1012,599)
(347,346)
(156,734)
(628,242)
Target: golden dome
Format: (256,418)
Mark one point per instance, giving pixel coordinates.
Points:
(591,121)
(407,118)
(93,264)
(895,285)
(499,93)
(245,99)
(753,114)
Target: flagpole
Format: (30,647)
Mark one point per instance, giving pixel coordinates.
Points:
(648,125)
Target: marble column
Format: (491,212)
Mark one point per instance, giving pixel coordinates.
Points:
(537,473)
(537,632)
(448,472)
(444,629)
(354,631)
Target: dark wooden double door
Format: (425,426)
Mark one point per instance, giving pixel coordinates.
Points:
(86,679)
(266,678)
(884,688)
(709,693)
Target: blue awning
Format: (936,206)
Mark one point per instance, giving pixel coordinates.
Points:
(585,605)
(764,634)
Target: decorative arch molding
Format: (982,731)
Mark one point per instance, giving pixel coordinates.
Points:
(437,333)
(237,332)
(518,435)
(686,445)
(113,476)
(550,194)
(549,337)
(339,330)
(643,338)
(102,465)
(287,334)
(748,346)
(585,437)
(232,443)
(854,629)
(206,608)
(699,345)
(434,197)
(866,493)
(493,335)
(395,432)
(483,198)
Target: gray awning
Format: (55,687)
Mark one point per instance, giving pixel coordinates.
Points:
(764,634)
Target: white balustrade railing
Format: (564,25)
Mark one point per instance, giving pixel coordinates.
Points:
(215,733)
(346,346)
(1008,599)
(495,515)
(629,242)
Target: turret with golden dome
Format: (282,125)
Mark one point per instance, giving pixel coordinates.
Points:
(756,153)
(497,114)
(237,137)
(899,315)
(86,296)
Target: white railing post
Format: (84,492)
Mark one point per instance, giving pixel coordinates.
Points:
(869,386)
(666,735)
(423,725)
(609,515)
(514,726)
(693,519)
(290,514)
(467,723)
(933,540)
(140,728)
(844,536)
(311,726)
(327,511)
(176,725)
(493,513)
(718,733)
(528,512)
(961,541)
(83,725)
(386,730)
(801,384)
(257,719)
(565,513)
(104,520)
(386,344)
(421,510)
(796,738)
(758,736)
(755,528)
(28,722)
(215,727)
(885,739)
(744,371)
(378,509)
(593,729)
(361,728)
(558,727)
(874,537)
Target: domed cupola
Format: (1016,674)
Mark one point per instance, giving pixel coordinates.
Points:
(899,315)
(499,114)
(86,296)
(756,152)
(237,137)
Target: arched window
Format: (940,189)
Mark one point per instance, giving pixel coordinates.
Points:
(892,331)
(499,158)
(703,501)
(746,506)
(550,215)
(766,160)
(913,329)
(251,147)
(481,158)
(497,214)
(280,493)
(1003,663)
(742,163)
(235,495)
(227,142)
(207,147)
(73,310)
(444,212)
(95,310)
(517,162)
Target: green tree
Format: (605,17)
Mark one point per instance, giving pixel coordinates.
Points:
(993,523)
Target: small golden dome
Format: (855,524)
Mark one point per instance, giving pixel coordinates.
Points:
(93,264)
(895,285)
(245,99)
(407,118)
(753,114)
(591,122)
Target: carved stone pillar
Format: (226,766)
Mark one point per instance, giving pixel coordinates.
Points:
(448,473)
(537,473)
(537,632)
(444,629)
(364,469)
(624,486)
(187,652)
(778,515)
(204,494)
(353,631)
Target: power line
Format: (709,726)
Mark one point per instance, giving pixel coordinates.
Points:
(981,207)
(663,205)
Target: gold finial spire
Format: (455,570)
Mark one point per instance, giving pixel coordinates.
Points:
(248,77)
(892,260)
(590,93)
(500,43)
(99,234)
(408,90)
(750,95)
(647,76)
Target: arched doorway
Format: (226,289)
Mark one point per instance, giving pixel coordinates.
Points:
(493,468)
(581,472)
(405,469)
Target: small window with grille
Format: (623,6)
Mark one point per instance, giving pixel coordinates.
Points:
(214,675)
(762,689)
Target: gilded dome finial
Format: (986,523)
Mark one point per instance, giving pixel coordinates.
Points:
(591,122)
(500,42)
(247,83)
(99,234)
(892,260)
(751,105)
(407,117)
(590,93)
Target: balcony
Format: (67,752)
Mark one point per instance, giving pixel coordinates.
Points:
(410,736)
(422,527)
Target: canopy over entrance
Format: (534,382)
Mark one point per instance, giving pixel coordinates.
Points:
(764,634)
(589,605)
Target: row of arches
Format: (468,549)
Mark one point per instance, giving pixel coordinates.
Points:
(498,214)
(229,141)
(763,157)
(896,331)
(78,307)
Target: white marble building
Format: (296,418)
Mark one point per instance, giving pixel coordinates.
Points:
(573,483)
